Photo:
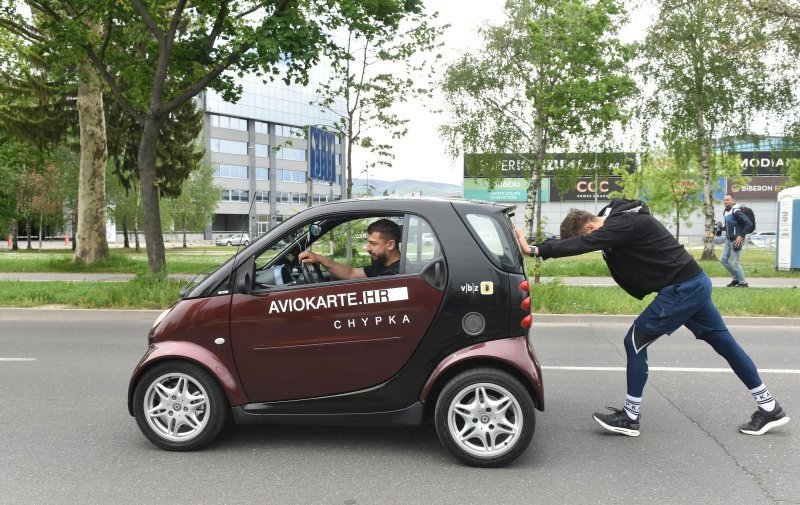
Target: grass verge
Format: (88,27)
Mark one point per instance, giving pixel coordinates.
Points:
(755,261)
(158,292)
(182,261)
(556,298)
(143,292)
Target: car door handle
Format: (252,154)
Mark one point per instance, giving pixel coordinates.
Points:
(435,274)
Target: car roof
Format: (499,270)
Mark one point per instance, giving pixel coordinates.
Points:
(403,204)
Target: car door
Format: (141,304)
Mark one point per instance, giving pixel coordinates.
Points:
(296,340)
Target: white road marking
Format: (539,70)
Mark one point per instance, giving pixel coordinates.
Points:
(17,359)
(665,369)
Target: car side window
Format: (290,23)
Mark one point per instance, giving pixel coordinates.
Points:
(495,242)
(422,246)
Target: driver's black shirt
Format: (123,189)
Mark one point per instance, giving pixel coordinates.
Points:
(375,270)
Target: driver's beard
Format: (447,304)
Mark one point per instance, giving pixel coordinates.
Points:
(379,259)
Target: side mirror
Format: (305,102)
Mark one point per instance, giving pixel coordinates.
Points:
(243,282)
(315,230)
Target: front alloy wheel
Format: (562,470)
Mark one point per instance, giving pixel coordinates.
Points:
(485,417)
(179,406)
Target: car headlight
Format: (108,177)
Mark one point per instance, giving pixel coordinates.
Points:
(162,316)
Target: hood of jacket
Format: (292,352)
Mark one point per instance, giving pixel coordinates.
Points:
(620,205)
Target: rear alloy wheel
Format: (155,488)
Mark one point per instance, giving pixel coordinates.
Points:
(485,417)
(179,406)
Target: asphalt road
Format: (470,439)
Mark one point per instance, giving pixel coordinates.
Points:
(66,436)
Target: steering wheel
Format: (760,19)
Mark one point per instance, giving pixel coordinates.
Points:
(312,273)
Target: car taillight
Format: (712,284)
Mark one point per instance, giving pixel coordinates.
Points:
(527,321)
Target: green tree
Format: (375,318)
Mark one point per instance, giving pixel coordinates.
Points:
(12,158)
(554,73)
(51,79)
(193,208)
(787,17)
(672,186)
(125,206)
(66,157)
(157,56)
(706,62)
(373,75)
(22,187)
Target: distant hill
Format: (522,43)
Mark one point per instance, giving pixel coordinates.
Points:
(406,187)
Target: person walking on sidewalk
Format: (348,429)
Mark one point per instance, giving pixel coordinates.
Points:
(644,257)
(737,226)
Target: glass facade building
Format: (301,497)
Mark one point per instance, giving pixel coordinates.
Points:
(259,150)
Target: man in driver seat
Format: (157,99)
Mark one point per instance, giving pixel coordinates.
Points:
(383,246)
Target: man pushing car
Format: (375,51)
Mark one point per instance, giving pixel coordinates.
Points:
(644,257)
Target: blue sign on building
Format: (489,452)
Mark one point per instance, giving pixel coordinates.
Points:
(321,154)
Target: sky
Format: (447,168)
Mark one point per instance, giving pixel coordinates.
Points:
(421,155)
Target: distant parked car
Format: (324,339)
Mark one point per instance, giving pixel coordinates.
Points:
(427,240)
(763,238)
(234,239)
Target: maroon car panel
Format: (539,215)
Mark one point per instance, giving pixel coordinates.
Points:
(332,338)
(189,333)
(513,351)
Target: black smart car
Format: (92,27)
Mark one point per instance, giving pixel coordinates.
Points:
(268,338)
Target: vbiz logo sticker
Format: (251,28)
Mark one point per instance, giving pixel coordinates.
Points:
(485,288)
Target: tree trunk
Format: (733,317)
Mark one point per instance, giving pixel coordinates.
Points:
(136,235)
(41,231)
(14,235)
(91,245)
(708,204)
(28,232)
(153,237)
(349,167)
(126,242)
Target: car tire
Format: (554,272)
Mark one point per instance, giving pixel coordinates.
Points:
(485,417)
(246,243)
(179,406)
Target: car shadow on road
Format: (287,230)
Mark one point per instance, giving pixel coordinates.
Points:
(421,438)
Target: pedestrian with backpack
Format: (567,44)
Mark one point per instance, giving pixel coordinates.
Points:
(737,225)
(644,257)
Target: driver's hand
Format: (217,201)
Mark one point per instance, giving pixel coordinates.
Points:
(308,257)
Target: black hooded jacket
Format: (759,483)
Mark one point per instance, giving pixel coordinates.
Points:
(640,252)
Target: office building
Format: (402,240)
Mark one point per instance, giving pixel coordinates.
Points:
(259,151)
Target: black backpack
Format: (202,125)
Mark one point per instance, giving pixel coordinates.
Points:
(751,216)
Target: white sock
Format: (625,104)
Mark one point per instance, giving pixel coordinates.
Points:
(632,405)
(763,398)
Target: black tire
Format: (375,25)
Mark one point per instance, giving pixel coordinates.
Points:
(200,422)
(504,431)
(246,243)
